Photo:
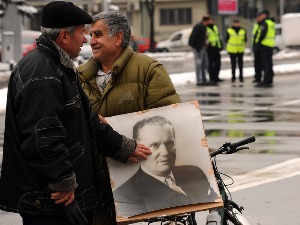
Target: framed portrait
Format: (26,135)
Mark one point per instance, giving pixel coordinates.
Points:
(177,177)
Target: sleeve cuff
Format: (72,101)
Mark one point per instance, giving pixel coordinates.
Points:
(65,185)
(127,148)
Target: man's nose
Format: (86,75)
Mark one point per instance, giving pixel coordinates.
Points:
(92,40)
(163,150)
(85,40)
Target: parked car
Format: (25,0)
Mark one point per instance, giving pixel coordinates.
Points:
(290,35)
(177,42)
(279,43)
(141,44)
(28,41)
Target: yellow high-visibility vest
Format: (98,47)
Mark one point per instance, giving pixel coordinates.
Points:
(255,28)
(269,39)
(236,41)
(213,36)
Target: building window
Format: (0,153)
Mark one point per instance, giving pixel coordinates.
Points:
(176,16)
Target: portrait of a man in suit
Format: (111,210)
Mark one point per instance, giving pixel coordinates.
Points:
(158,183)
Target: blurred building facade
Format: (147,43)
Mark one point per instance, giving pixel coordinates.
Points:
(170,15)
(174,15)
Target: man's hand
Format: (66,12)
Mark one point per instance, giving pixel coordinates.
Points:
(61,197)
(102,119)
(68,207)
(141,152)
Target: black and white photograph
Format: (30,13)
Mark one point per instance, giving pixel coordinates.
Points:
(177,173)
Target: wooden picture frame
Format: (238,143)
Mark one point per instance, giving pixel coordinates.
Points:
(147,197)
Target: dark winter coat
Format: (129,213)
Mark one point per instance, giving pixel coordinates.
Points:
(49,142)
(198,36)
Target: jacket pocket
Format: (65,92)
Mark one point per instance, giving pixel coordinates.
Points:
(73,103)
(37,202)
(50,132)
(88,199)
(76,152)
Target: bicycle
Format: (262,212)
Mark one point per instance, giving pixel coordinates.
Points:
(231,212)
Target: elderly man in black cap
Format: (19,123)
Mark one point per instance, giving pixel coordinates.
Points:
(50,170)
(263,44)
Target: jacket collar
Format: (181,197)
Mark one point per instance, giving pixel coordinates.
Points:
(57,52)
(89,69)
(122,60)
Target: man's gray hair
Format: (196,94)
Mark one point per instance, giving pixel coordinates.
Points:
(115,22)
(52,33)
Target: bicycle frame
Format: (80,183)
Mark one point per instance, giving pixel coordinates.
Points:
(231,211)
(222,192)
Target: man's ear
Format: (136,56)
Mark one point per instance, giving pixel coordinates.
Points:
(63,37)
(119,38)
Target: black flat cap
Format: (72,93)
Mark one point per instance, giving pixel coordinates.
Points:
(236,20)
(265,11)
(59,14)
(205,18)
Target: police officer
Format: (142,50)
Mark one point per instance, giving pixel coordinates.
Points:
(213,51)
(265,42)
(236,38)
(256,53)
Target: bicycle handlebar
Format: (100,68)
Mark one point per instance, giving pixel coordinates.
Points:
(243,142)
(231,148)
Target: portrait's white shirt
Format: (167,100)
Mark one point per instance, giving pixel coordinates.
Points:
(162,179)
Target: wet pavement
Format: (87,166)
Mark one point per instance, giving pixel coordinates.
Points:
(233,111)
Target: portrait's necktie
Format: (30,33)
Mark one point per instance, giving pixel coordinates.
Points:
(172,184)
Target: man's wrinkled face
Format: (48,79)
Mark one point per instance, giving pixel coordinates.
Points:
(76,40)
(103,46)
(161,141)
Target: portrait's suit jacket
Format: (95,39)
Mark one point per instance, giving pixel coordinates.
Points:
(143,193)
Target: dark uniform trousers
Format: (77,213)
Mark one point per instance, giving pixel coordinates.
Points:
(267,64)
(258,65)
(239,57)
(214,66)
